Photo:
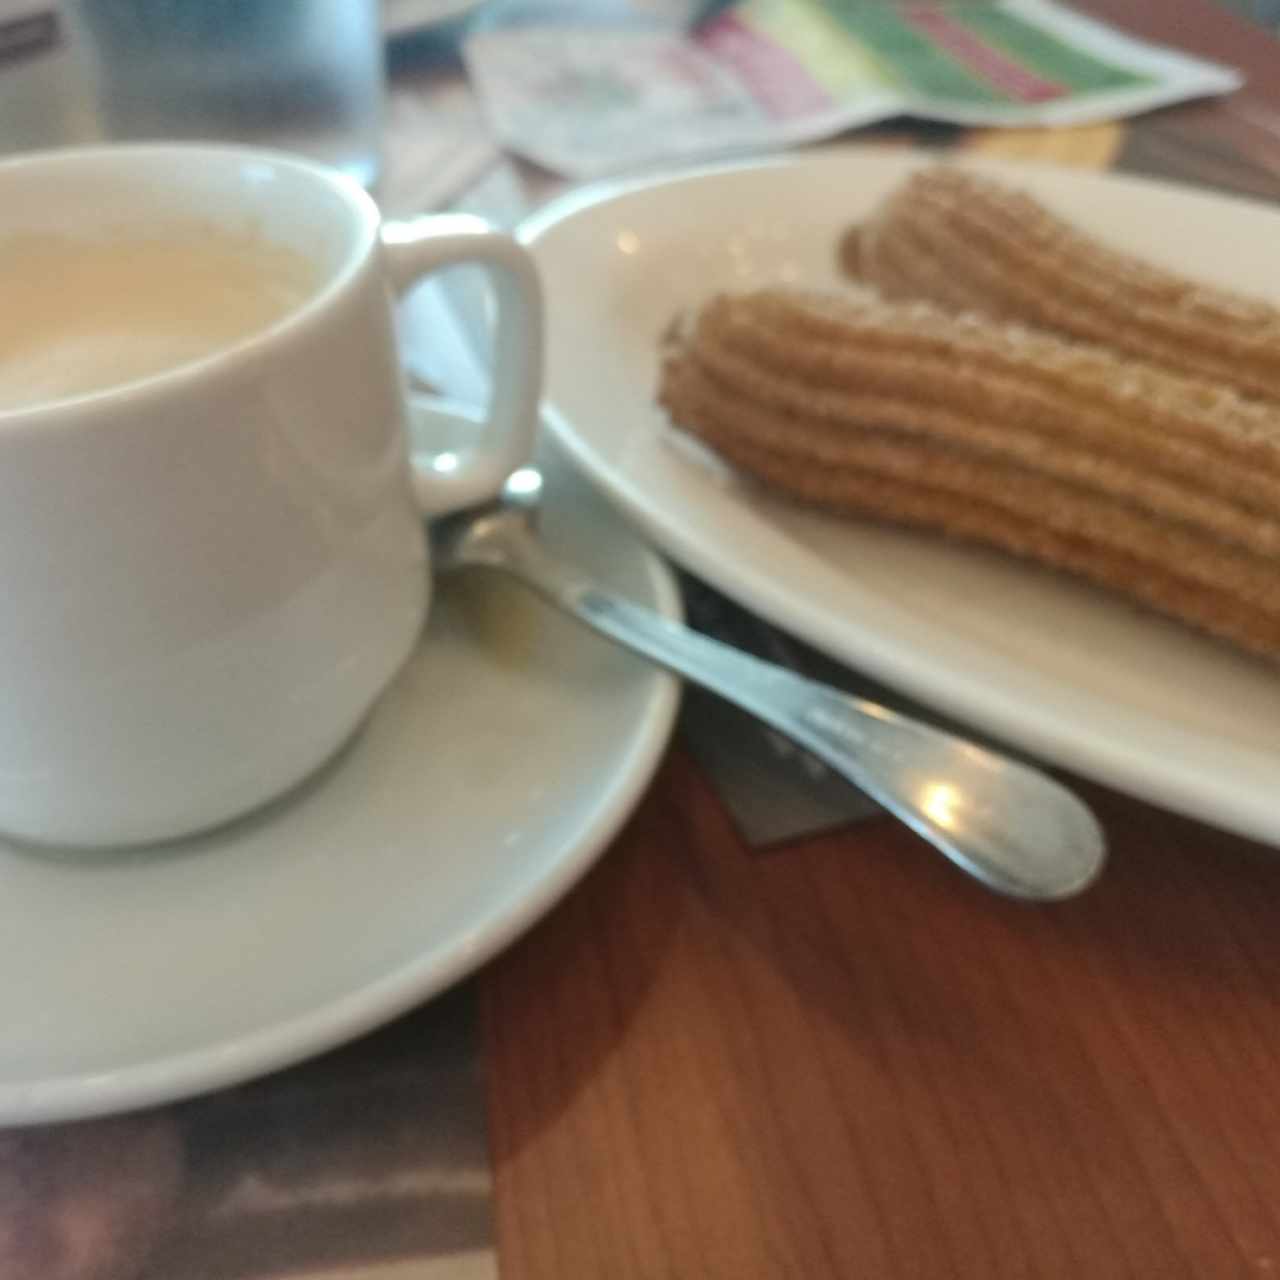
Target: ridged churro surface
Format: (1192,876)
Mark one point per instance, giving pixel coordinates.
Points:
(1160,487)
(966,242)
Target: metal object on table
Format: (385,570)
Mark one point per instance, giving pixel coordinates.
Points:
(774,792)
(1005,823)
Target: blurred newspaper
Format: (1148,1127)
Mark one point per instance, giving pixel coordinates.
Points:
(588,91)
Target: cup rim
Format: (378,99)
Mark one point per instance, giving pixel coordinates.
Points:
(296,323)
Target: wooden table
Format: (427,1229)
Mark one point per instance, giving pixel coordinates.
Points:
(841,1059)
(837,1058)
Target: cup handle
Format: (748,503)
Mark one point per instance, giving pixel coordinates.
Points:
(415,248)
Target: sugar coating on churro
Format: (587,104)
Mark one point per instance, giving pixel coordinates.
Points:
(966,242)
(1161,487)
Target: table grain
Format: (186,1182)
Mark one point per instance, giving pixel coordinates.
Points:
(839,1058)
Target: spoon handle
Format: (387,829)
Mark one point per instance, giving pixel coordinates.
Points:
(1006,823)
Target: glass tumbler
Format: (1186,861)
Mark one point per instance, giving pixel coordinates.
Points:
(298,75)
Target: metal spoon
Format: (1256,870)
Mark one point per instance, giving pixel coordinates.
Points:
(1005,823)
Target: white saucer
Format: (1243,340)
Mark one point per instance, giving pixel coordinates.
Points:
(488,779)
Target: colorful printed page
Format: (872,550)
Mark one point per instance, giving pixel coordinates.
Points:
(588,100)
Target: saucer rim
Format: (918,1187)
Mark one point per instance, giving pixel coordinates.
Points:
(336,1022)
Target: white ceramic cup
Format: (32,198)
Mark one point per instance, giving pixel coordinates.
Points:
(208,576)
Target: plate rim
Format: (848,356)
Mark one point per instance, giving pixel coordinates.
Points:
(1210,798)
(190,1073)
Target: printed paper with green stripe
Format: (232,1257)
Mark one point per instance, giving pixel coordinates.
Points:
(589,99)
(801,55)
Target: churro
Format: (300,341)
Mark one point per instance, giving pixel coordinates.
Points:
(1160,487)
(966,242)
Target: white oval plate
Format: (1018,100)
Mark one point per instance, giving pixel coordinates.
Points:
(505,757)
(1058,668)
